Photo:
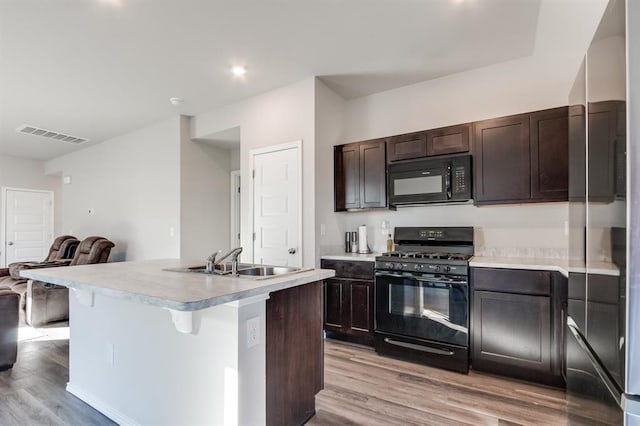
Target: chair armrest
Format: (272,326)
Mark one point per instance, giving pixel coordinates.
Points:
(14,269)
(4,272)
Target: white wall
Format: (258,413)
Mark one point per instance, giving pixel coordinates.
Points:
(234,159)
(276,117)
(330,123)
(29,174)
(204,197)
(133,184)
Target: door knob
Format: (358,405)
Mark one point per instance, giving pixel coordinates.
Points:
(292,251)
(10,243)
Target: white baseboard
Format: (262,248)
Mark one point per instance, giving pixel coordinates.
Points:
(101,406)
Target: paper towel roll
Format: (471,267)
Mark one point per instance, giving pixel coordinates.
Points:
(362,239)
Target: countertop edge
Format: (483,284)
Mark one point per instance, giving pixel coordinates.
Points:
(537,264)
(282,283)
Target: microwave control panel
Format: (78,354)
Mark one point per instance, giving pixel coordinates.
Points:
(461,180)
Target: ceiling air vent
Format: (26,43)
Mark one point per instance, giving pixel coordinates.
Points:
(62,137)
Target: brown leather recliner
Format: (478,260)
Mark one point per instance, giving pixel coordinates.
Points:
(61,253)
(48,302)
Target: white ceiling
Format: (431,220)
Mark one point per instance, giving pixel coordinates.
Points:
(96,69)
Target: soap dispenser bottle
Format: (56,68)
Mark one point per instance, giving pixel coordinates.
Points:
(389,244)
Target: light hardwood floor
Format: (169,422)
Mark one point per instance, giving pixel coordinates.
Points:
(361,388)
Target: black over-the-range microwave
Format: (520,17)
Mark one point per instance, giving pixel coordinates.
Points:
(430,180)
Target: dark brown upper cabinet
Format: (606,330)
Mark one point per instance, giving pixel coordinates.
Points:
(407,147)
(449,140)
(550,154)
(446,140)
(502,160)
(360,180)
(607,156)
(522,158)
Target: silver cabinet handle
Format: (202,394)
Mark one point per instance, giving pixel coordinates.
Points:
(10,243)
(292,251)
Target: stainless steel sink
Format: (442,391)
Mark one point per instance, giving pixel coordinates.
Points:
(245,270)
(221,268)
(266,271)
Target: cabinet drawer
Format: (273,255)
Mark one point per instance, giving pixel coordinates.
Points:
(512,281)
(348,269)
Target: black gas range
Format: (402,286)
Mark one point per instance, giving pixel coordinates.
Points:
(422,297)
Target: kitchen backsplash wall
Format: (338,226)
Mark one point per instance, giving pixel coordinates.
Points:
(523,230)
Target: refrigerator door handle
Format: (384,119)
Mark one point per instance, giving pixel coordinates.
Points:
(597,365)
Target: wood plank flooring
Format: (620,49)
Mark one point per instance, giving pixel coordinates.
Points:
(361,388)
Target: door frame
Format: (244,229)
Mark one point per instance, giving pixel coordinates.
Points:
(3,217)
(275,148)
(235,214)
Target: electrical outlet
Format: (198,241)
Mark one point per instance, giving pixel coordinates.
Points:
(566,228)
(323,229)
(92,210)
(253,332)
(172,231)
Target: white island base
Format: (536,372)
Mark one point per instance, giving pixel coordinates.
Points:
(128,361)
(154,347)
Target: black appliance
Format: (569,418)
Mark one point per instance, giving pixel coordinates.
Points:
(422,297)
(431,180)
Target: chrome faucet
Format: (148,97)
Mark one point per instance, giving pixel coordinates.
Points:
(214,260)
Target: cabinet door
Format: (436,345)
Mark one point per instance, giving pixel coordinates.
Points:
(550,155)
(502,160)
(602,127)
(334,295)
(406,147)
(512,330)
(373,175)
(347,177)
(361,307)
(448,140)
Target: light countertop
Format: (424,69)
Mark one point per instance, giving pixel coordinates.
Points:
(543,264)
(369,257)
(146,282)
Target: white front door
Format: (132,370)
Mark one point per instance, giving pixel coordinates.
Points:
(28,225)
(277,207)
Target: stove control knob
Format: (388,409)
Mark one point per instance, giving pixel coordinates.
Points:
(447,268)
(437,268)
(388,265)
(400,266)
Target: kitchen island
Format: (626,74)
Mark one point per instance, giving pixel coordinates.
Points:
(149,346)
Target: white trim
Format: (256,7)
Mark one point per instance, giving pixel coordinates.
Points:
(275,148)
(101,406)
(234,210)
(3,218)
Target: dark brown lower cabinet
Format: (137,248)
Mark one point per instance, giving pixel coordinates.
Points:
(517,323)
(348,301)
(295,363)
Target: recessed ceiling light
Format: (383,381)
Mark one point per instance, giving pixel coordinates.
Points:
(176,101)
(238,70)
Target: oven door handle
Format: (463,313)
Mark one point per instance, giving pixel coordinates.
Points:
(420,279)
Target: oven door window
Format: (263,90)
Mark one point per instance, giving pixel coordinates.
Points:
(422,307)
(420,301)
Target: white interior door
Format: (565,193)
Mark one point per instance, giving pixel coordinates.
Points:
(277,207)
(28,225)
